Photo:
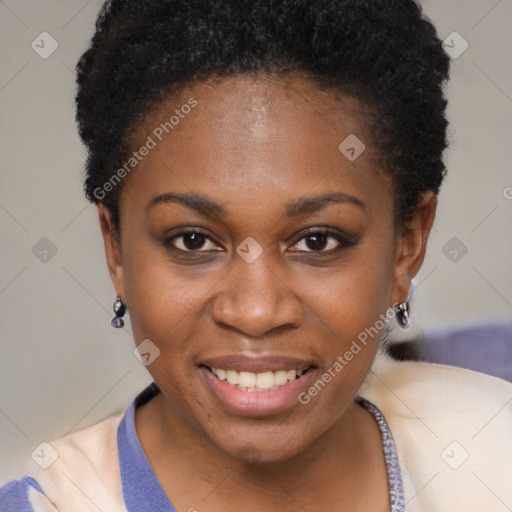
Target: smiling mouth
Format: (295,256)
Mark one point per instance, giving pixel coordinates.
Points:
(257,382)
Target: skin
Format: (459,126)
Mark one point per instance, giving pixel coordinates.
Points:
(253,146)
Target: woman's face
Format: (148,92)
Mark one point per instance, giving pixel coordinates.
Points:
(223,267)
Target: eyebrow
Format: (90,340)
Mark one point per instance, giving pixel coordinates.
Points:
(210,208)
(315,203)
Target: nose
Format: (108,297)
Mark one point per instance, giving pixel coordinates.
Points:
(254,299)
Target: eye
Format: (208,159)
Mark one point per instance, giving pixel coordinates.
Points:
(322,241)
(191,241)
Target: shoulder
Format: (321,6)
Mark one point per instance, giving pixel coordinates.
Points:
(452,429)
(78,472)
(449,386)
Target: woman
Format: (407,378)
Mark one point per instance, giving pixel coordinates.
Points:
(266,175)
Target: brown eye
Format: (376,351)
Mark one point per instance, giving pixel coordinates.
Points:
(322,241)
(317,242)
(191,241)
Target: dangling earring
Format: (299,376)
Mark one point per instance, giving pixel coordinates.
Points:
(402,312)
(119,310)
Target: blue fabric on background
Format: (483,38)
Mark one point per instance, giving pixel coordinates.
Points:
(485,347)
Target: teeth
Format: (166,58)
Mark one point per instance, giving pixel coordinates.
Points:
(265,380)
(281,377)
(247,381)
(232,376)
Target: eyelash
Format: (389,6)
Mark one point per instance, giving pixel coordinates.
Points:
(344,241)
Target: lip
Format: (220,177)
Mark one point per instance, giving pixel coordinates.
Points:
(256,403)
(241,363)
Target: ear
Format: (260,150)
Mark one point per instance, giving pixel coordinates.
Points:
(112,250)
(411,246)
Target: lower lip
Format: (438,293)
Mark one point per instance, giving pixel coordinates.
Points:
(257,403)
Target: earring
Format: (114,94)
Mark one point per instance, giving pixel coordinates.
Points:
(119,310)
(402,312)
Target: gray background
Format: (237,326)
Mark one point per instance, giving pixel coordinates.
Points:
(63,367)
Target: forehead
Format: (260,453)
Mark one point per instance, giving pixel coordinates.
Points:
(272,113)
(264,138)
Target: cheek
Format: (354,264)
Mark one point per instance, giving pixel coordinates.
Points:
(350,318)
(162,297)
(352,298)
(163,303)
(349,310)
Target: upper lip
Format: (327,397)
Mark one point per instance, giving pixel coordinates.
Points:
(260,364)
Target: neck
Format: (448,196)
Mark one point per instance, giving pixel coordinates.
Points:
(343,464)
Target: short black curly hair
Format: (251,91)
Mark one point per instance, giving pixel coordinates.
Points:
(384,53)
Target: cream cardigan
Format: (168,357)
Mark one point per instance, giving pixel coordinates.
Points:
(452,429)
